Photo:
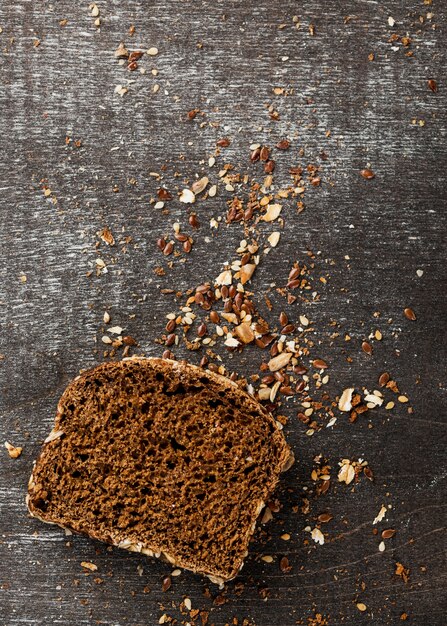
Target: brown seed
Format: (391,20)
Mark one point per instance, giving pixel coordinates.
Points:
(388,533)
(223,143)
(383,379)
(181,237)
(287,329)
(283,318)
(132,66)
(410,314)
(269,167)
(169,247)
(274,350)
(204,361)
(300,386)
(300,369)
(284,565)
(294,273)
(268,379)
(325,486)
(129,341)
(225,292)
(433,85)
(325,517)
(164,194)
(319,364)
(264,153)
(214,317)
(254,156)
(198,298)
(161,243)
(170,326)
(170,339)
(232,291)
(246,258)
(167,354)
(187,246)
(292,284)
(368,473)
(166,583)
(286,390)
(134,56)
(193,221)
(284,144)
(368,174)
(201,331)
(367,347)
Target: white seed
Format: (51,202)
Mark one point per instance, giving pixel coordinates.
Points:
(106,317)
(152,52)
(344,404)
(273,238)
(273,211)
(106,339)
(187,197)
(279,361)
(267,558)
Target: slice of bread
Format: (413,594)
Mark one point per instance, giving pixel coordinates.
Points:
(160,457)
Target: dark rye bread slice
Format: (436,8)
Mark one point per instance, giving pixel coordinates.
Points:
(160,457)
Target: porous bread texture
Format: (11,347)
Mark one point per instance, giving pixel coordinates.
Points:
(160,457)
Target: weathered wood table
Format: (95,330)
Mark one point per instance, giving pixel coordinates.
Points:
(86,142)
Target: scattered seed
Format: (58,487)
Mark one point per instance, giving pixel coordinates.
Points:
(361,606)
(284,565)
(187,196)
(319,364)
(285,537)
(402,399)
(223,143)
(166,583)
(187,603)
(267,558)
(433,85)
(367,348)
(368,174)
(13,451)
(388,533)
(152,52)
(273,238)
(91,566)
(169,247)
(283,318)
(383,379)
(410,314)
(325,517)
(279,361)
(284,144)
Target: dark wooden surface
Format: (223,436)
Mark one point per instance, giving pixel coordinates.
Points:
(380,114)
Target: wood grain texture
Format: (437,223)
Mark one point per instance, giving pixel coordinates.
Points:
(380,114)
